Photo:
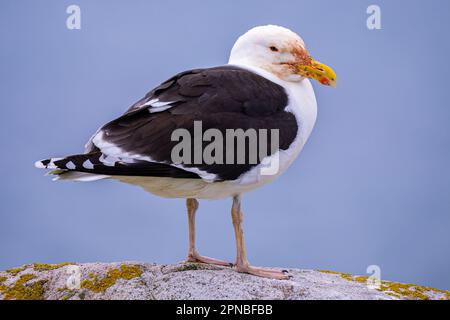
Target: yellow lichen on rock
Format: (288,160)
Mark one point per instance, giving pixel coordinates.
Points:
(336,273)
(98,285)
(20,290)
(46,267)
(412,291)
(2,286)
(397,290)
(16,271)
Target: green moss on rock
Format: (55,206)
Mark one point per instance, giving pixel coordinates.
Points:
(97,284)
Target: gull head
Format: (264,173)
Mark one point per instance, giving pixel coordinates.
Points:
(281,52)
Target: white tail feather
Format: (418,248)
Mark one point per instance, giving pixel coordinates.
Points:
(80,176)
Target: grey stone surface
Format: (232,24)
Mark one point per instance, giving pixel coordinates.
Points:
(133,280)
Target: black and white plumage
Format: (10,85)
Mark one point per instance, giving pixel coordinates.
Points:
(139,142)
(264,86)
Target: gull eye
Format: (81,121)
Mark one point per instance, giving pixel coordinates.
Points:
(274,49)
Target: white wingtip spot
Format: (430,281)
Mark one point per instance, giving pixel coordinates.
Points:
(39,165)
(70,165)
(88,165)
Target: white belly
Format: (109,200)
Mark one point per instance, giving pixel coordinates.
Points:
(187,188)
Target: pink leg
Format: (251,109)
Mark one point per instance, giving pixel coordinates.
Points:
(193,255)
(242,264)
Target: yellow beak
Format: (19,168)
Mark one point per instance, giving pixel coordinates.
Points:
(318,71)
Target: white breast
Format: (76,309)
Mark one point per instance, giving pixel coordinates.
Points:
(302,103)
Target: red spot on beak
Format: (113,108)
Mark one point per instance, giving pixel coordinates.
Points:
(324,81)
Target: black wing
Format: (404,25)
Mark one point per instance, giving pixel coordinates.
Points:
(222,98)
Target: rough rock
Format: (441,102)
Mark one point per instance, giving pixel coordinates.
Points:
(133,280)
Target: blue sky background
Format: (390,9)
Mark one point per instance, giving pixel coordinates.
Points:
(372,186)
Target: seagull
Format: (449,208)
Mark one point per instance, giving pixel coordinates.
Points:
(265,87)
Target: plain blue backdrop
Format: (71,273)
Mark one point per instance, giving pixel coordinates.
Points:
(372,186)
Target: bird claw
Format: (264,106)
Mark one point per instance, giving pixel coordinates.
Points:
(264,273)
(195,257)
